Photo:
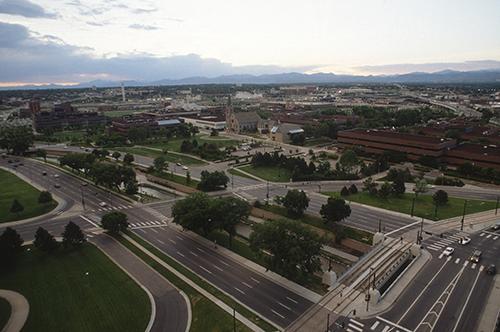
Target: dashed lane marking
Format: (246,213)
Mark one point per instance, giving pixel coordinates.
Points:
(192,253)
(473,266)
(160,241)
(496,237)
(206,270)
(488,236)
(482,234)
(239,290)
(457,260)
(441,256)
(200,250)
(292,300)
(284,306)
(374,326)
(244,283)
(226,264)
(218,268)
(277,314)
(180,254)
(154,230)
(172,241)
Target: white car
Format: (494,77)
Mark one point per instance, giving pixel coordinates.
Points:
(56,175)
(448,251)
(178,164)
(103,204)
(464,240)
(185,168)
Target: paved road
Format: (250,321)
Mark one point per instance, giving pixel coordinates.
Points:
(171,307)
(449,294)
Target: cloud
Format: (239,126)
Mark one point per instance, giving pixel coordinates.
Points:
(24,8)
(144,10)
(41,59)
(143,27)
(429,67)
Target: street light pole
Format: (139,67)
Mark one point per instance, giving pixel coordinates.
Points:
(496,207)
(83,197)
(463,216)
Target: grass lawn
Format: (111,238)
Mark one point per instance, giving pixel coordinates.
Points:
(15,188)
(353,233)
(174,144)
(207,316)
(235,171)
(177,179)
(273,174)
(4,312)
(424,205)
(170,157)
(63,298)
(69,135)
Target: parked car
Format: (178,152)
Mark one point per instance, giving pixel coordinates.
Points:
(103,204)
(448,251)
(476,256)
(464,240)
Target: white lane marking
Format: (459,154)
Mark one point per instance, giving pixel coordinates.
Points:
(433,248)
(172,241)
(244,283)
(206,270)
(154,230)
(440,256)
(496,237)
(448,258)
(374,326)
(255,280)
(142,231)
(386,328)
(160,241)
(218,268)
(292,300)
(199,249)
(277,314)
(398,327)
(192,253)
(284,306)
(357,328)
(466,301)
(89,221)
(226,264)
(482,234)
(473,266)
(143,224)
(466,263)
(488,236)
(239,290)
(180,238)
(357,323)
(180,254)
(481,268)
(457,260)
(90,236)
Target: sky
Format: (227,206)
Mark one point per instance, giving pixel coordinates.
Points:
(68,41)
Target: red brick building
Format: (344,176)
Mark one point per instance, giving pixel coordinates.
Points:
(476,154)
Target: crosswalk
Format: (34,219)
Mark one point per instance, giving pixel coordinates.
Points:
(147,224)
(353,325)
(489,235)
(112,208)
(379,325)
(464,262)
(445,242)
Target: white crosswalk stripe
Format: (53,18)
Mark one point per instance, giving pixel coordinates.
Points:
(488,236)
(496,237)
(482,234)
(374,326)
(457,260)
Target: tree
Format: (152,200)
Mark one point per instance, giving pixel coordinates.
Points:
(10,245)
(192,213)
(16,207)
(348,162)
(41,154)
(160,163)
(72,235)
(295,202)
(44,197)
(335,210)
(188,177)
(298,139)
(294,249)
(16,139)
(128,158)
(229,212)
(131,187)
(44,240)
(440,197)
(353,189)
(398,186)
(114,222)
(213,181)
(344,191)
(116,155)
(369,185)
(385,190)
(421,187)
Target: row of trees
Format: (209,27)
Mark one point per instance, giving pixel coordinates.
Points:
(11,242)
(16,139)
(16,207)
(208,151)
(101,172)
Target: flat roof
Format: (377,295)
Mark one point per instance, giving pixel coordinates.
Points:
(374,133)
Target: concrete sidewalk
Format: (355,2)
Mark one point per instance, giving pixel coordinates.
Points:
(20,309)
(491,311)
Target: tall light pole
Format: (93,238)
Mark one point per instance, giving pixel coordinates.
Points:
(463,216)
(496,207)
(83,197)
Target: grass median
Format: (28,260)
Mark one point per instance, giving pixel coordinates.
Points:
(424,205)
(77,290)
(15,188)
(269,173)
(169,157)
(207,316)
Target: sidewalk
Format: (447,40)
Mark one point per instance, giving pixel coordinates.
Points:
(20,309)
(491,311)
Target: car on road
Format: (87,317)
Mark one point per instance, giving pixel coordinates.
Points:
(464,240)
(185,168)
(103,204)
(56,175)
(84,184)
(56,185)
(44,173)
(476,256)
(496,226)
(491,269)
(178,164)
(448,251)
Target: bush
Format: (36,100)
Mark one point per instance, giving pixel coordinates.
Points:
(353,189)
(344,191)
(446,181)
(44,197)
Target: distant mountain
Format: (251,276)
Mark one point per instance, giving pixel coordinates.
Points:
(446,76)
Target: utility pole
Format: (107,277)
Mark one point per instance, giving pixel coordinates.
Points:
(232,181)
(413,205)
(463,215)
(267,193)
(496,208)
(422,227)
(380,225)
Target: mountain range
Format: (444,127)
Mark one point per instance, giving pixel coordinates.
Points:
(441,77)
